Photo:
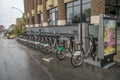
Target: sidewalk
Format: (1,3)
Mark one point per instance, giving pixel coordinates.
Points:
(117,57)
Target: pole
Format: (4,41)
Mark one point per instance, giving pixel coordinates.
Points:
(81,22)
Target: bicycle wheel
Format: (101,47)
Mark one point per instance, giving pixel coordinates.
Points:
(60,55)
(47,50)
(93,54)
(77,58)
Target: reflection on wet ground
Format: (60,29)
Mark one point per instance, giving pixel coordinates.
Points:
(18,62)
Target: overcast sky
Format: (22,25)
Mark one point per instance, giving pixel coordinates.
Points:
(7,14)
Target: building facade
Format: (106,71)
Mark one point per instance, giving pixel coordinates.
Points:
(42,13)
(2,28)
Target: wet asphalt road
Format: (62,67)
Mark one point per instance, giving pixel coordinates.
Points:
(18,62)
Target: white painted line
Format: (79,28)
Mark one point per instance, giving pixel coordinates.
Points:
(47,60)
(109,65)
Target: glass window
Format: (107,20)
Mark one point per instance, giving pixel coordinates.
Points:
(118,2)
(118,11)
(111,10)
(40,19)
(86,12)
(69,4)
(111,7)
(69,21)
(77,11)
(76,2)
(86,1)
(107,1)
(111,2)
(28,20)
(69,12)
(53,16)
(33,20)
(73,11)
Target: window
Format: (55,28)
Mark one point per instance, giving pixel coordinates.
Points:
(73,11)
(86,1)
(28,20)
(113,8)
(118,11)
(86,12)
(33,20)
(52,16)
(111,2)
(118,2)
(40,19)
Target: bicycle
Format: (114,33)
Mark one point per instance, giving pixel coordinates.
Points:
(55,42)
(78,56)
(63,48)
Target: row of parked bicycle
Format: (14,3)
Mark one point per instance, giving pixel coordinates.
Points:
(60,44)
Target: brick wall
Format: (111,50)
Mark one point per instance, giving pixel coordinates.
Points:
(61,10)
(97,7)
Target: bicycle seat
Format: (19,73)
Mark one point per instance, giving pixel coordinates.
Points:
(78,43)
(62,42)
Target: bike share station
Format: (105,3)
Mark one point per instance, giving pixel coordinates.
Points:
(105,32)
(107,41)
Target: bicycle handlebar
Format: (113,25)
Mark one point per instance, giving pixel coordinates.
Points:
(91,37)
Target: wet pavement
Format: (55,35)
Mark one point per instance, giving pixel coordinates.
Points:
(117,57)
(18,62)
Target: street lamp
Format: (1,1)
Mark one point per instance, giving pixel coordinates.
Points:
(18,10)
(21,13)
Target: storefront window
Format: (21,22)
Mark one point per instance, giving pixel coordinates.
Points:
(73,11)
(111,2)
(86,1)
(86,12)
(113,8)
(118,2)
(40,19)
(118,11)
(28,20)
(53,16)
(76,3)
(69,5)
(33,20)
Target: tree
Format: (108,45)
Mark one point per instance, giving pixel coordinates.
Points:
(20,27)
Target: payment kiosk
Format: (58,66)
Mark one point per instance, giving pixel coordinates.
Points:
(107,39)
